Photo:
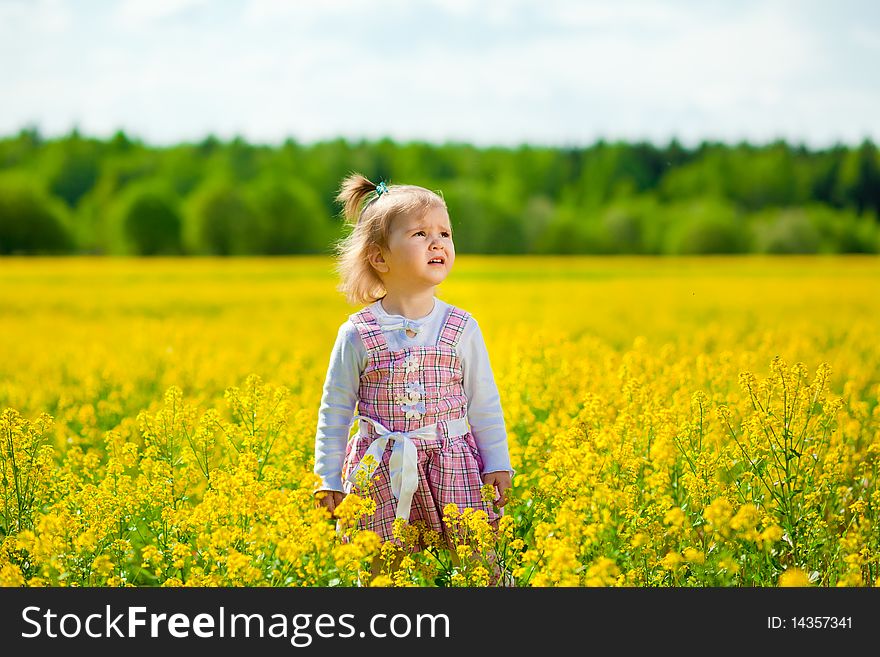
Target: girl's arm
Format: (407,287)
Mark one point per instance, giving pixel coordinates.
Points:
(484,403)
(338,401)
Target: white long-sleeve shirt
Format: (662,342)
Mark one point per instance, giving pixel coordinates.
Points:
(349,358)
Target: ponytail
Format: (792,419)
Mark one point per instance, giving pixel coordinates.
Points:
(352,192)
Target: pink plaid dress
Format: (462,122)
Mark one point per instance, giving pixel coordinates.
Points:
(413,418)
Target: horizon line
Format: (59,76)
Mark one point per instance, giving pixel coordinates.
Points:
(364,139)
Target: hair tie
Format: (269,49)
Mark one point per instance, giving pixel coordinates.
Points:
(381,188)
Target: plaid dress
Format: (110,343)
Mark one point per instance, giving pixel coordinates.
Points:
(412,411)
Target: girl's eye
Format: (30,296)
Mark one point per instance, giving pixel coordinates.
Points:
(421,232)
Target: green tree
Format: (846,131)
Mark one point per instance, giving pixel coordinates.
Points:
(567,233)
(606,198)
(20,150)
(220,220)
(844,231)
(146,220)
(631,225)
(814,228)
(73,166)
(705,225)
(31,221)
(466,203)
(291,216)
(858,182)
(784,230)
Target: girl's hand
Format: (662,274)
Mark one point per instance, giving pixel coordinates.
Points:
(501,481)
(329,499)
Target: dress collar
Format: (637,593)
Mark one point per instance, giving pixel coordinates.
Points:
(391,322)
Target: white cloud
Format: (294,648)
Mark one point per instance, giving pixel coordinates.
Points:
(574,13)
(496,71)
(867,37)
(302,14)
(34,17)
(139,14)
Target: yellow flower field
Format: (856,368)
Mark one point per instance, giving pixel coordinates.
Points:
(673,422)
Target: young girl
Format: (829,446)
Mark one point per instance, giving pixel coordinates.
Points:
(415,367)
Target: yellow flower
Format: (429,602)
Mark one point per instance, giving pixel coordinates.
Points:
(450,511)
(746,518)
(238,565)
(151,555)
(367,541)
(769,536)
(506,526)
(729,564)
(602,572)
(87,541)
(694,556)
(430,538)
(382,580)
(179,554)
(747,381)
(406,533)
(794,576)
(671,560)
(722,413)
(674,517)
(858,507)
(363,479)
(718,514)
(352,508)
(479,576)
(25,540)
(852,578)
(10,575)
(217,476)
(458,579)
(102,565)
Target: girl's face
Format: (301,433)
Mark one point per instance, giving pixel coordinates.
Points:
(413,243)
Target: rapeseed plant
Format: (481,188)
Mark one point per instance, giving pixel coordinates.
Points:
(663,441)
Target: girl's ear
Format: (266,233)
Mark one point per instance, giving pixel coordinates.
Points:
(376,258)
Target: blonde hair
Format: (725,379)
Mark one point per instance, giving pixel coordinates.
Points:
(371,225)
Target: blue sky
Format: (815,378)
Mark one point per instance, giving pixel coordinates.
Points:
(555,72)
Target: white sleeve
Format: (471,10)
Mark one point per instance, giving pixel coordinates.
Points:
(484,403)
(338,401)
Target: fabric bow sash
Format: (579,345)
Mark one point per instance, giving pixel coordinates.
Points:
(403,463)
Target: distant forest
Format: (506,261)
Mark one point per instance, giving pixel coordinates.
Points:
(80,195)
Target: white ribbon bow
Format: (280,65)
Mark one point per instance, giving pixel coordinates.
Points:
(404,324)
(403,464)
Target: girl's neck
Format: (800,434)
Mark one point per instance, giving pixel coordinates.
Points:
(411,306)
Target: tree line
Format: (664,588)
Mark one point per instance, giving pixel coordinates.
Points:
(119,196)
